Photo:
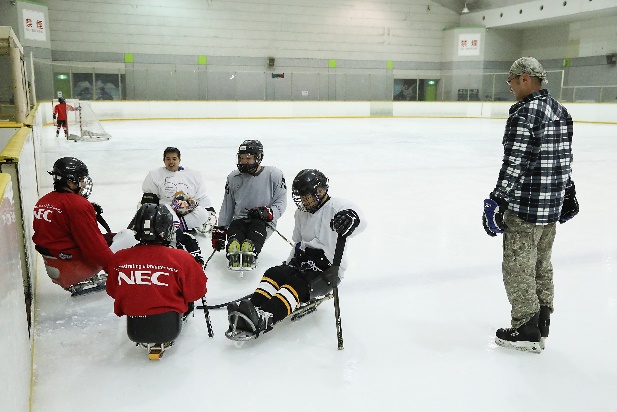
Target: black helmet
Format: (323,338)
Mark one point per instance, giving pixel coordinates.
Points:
(306,183)
(153,224)
(61,100)
(71,169)
(255,148)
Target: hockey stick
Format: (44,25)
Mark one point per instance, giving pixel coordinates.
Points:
(281,235)
(101,220)
(223,305)
(338,256)
(204,304)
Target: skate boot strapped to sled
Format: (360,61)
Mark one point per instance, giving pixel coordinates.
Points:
(241,257)
(246,321)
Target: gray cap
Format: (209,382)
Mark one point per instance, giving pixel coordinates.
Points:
(530,66)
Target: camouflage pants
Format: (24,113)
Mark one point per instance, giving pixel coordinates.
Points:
(527,269)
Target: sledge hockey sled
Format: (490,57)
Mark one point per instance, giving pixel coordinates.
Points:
(240,335)
(241,262)
(308,308)
(94,284)
(77,276)
(156,333)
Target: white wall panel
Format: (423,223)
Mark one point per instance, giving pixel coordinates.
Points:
(343,29)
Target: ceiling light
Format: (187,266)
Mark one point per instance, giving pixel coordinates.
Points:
(465,9)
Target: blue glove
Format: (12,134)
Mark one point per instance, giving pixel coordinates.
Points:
(570,205)
(492,218)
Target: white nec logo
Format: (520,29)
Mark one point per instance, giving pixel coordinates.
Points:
(42,214)
(142,277)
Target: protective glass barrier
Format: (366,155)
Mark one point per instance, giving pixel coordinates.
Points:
(202,82)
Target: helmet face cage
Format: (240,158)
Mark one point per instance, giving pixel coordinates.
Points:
(153,224)
(71,169)
(85,186)
(252,147)
(306,183)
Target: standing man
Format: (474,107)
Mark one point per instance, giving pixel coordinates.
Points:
(255,198)
(60,116)
(319,221)
(183,189)
(534,190)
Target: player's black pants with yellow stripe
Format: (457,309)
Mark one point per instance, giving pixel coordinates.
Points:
(281,290)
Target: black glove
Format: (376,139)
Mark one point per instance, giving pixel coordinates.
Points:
(219,237)
(149,198)
(54,116)
(345,222)
(262,212)
(97,208)
(492,218)
(570,205)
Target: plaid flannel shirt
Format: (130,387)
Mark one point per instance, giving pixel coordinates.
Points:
(537,158)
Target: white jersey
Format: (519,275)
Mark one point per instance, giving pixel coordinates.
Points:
(313,229)
(244,191)
(166,185)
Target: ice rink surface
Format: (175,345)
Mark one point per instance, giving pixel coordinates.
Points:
(420,301)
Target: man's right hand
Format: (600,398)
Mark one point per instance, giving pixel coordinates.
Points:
(219,237)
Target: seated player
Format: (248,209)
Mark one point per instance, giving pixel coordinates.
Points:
(66,232)
(183,189)
(153,280)
(255,198)
(319,220)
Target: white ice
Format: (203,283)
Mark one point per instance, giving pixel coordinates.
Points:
(420,301)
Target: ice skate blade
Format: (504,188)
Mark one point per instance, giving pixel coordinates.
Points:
(240,335)
(240,268)
(542,343)
(524,346)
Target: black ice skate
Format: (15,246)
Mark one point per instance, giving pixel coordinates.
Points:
(525,338)
(544,322)
(247,322)
(93,284)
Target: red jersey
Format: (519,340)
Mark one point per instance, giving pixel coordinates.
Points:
(152,279)
(66,223)
(60,110)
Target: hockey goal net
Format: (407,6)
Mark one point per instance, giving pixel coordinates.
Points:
(82,121)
